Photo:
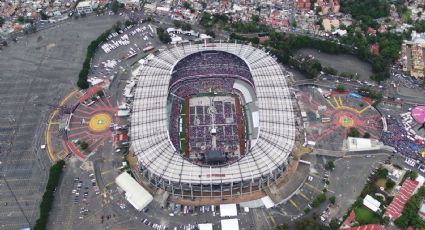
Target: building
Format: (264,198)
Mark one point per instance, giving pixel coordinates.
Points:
(207,226)
(396,207)
(366,227)
(84,7)
(421,212)
(328,5)
(130,4)
(135,194)
(149,8)
(371,203)
(230,224)
(303,5)
(228,210)
(355,144)
(412,56)
(168,163)
(330,24)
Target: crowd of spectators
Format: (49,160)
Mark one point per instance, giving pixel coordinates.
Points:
(203,73)
(208,58)
(209,64)
(397,137)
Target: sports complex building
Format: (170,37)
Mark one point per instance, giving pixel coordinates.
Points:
(212,120)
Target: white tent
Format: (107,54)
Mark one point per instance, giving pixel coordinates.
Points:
(205,226)
(267,202)
(135,194)
(371,203)
(230,224)
(228,210)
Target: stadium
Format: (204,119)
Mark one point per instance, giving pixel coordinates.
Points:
(212,120)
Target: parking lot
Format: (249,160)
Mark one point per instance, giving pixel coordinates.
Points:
(349,177)
(37,72)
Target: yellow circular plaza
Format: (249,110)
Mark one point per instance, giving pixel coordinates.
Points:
(346,121)
(99,122)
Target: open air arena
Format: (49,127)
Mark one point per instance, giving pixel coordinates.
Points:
(212,121)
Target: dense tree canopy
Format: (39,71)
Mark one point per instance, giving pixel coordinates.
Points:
(410,215)
(370,8)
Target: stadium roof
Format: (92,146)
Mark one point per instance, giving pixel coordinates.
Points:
(149,121)
(134,192)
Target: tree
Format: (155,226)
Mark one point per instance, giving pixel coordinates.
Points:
(330,70)
(115,6)
(389,184)
(255,18)
(334,224)
(353,132)
(2,21)
(21,19)
(82,83)
(163,35)
(366,135)
(210,33)
(340,88)
(48,196)
(282,227)
(319,200)
(84,145)
(330,165)
(382,173)
(307,210)
(332,199)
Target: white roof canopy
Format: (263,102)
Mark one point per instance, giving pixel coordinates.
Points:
(205,226)
(230,224)
(228,210)
(135,194)
(371,203)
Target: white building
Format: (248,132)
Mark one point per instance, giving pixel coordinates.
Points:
(230,224)
(353,144)
(84,7)
(371,203)
(135,194)
(228,210)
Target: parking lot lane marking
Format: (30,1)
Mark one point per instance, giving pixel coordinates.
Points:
(314,175)
(294,204)
(106,171)
(314,188)
(364,109)
(330,103)
(340,101)
(304,196)
(282,211)
(109,184)
(273,220)
(336,101)
(70,217)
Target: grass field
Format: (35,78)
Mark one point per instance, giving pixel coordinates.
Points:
(365,216)
(381,182)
